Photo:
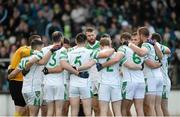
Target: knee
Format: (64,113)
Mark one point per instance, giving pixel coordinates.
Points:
(150,106)
(96,108)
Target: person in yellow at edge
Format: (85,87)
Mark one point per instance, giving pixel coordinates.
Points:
(15,84)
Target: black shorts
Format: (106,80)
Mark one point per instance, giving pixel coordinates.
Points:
(15,88)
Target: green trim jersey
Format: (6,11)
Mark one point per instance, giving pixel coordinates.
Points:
(56,57)
(33,80)
(96,46)
(149,72)
(78,57)
(129,74)
(70,49)
(164,67)
(110,75)
(164,70)
(94,74)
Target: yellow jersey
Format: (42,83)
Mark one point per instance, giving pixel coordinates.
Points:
(21,52)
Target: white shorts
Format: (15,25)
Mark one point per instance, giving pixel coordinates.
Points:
(33,98)
(95,87)
(133,90)
(109,93)
(52,93)
(82,92)
(166,91)
(154,86)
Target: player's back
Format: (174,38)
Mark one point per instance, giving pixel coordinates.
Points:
(110,75)
(78,57)
(130,74)
(56,57)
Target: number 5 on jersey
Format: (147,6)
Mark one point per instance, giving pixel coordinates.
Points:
(78,61)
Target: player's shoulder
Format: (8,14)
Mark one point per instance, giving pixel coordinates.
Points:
(72,48)
(23,48)
(47,48)
(89,51)
(122,48)
(64,49)
(147,45)
(97,44)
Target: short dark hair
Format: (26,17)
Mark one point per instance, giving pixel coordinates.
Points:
(66,41)
(34,37)
(57,36)
(157,37)
(126,36)
(89,29)
(105,36)
(81,38)
(134,33)
(105,41)
(36,43)
(143,31)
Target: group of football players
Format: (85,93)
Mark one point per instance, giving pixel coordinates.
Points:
(92,74)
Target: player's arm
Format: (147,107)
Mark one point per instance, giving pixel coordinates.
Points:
(105,53)
(14,73)
(118,56)
(87,65)
(158,51)
(132,65)
(39,59)
(166,50)
(68,67)
(140,51)
(152,64)
(45,58)
(57,69)
(94,55)
(65,65)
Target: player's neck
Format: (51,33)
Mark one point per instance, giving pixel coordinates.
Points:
(56,43)
(81,45)
(145,39)
(106,47)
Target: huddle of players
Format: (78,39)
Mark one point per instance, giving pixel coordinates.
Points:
(137,73)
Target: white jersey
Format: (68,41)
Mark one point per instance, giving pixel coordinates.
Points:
(56,57)
(129,74)
(110,75)
(78,57)
(164,68)
(148,72)
(33,80)
(94,74)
